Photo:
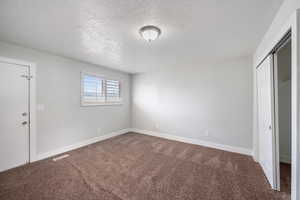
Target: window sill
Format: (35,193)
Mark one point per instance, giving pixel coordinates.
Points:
(101,104)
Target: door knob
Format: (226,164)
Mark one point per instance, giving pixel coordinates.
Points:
(24,123)
(24,114)
(270,127)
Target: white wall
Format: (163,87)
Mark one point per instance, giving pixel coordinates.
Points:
(63,121)
(211,103)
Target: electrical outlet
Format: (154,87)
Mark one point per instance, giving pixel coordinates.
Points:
(99,131)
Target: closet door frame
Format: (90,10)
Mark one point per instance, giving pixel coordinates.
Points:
(291,25)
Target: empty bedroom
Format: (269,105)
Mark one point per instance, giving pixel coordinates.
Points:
(149,100)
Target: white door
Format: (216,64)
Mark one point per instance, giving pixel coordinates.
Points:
(265,120)
(14,107)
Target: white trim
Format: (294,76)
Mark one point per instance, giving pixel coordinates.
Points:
(276,119)
(275,141)
(145,132)
(296,106)
(83,104)
(77,145)
(32,103)
(223,147)
(33,141)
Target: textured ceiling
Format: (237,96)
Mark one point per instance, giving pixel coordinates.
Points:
(105,32)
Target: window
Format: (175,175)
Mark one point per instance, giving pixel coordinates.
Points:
(97,90)
(112,88)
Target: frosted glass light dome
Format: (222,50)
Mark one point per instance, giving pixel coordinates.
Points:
(150,33)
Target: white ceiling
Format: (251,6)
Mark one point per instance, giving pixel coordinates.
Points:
(105,32)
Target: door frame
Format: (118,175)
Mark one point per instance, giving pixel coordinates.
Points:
(276,119)
(293,25)
(32,103)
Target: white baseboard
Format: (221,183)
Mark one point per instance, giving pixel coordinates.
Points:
(285,159)
(145,132)
(223,147)
(80,144)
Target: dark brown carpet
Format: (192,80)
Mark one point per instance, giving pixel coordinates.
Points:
(139,167)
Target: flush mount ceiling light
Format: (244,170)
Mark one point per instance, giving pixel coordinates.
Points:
(150,33)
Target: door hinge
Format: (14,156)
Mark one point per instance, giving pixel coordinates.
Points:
(27,77)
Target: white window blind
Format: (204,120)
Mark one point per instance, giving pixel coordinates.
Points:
(112,90)
(93,89)
(97,90)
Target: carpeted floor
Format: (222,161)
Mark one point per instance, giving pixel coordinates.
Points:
(285,179)
(139,167)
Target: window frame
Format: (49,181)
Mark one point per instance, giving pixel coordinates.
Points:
(105,103)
